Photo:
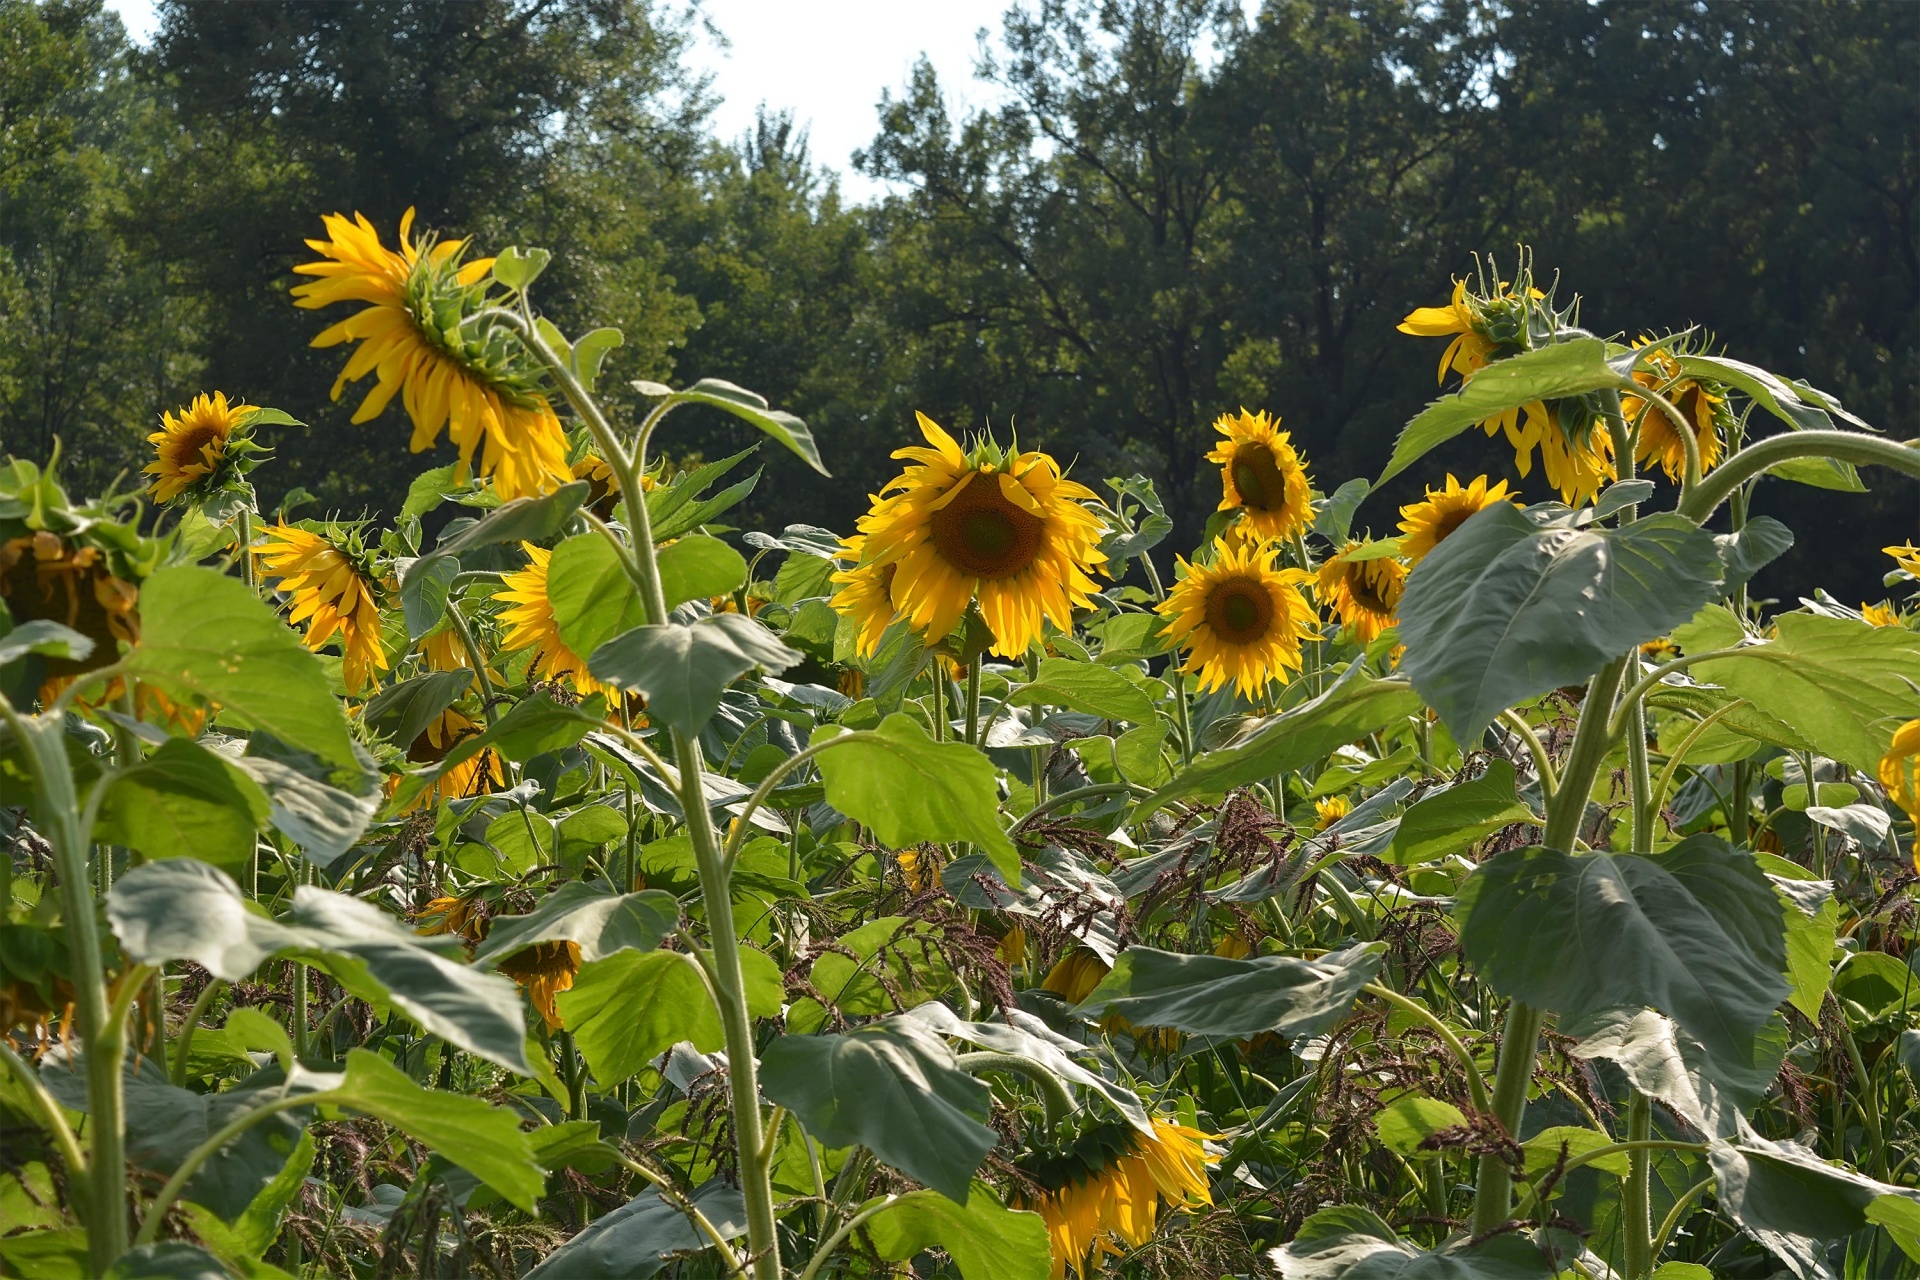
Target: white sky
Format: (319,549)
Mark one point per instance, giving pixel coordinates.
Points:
(826,60)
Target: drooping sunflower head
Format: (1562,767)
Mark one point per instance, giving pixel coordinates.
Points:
(44,577)
(199,446)
(603,486)
(418,333)
(1262,473)
(477,775)
(333,584)
(1075,975)
(531,622)
(1240,618)
(1702,404)
(1429,522)
(1005,529)
(1363,592)
(1099,1190)
(543,971)
(1907,556)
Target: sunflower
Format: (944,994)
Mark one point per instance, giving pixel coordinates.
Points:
(332,585)
(1660,649)
(920,868)
(603,486)
(1075,975)
(1330,809)
(1880,615)
(478,383)
(1263,473)
(1364,593)
(1906,556)
(466,917)
(1900,775)
(1470,348)
(543,971)
(531,622)
(1006,529)
(477,775)
(865,595)
(1429,522)
(46,577)
(1240,618)
(1701,404)
(1103,1191)
(191,444)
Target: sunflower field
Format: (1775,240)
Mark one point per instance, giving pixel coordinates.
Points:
(586,888)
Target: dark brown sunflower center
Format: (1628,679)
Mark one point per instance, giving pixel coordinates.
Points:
(1257,476)
(1239,610)
(984,535)
(1367,589)
(1443,527)
(187,446)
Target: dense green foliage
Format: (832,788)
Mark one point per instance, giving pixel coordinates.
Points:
(1178,209)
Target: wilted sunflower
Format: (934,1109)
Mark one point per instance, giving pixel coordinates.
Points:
(477,775)
(1907,556)
(1240,618)
(1578,460)
(1007,529)
(1429,522)
(332,584)
(1900,775)
(543,971)
(1703,405)
(1261,472)
(1364,593)
(1100,1195)
(45,577)
(191,444)
(531,622)
(478,383)
(865,595)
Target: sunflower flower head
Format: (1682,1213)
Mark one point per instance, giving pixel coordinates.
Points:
(920,868)
(1907,556)
(543,971)
(1900,775)
(1363,592)
(201,447)
(1328,810)
(1240,618)
(1262,474)
(477,775)
(419,335)
(530,622)
(1702,404)
(1100,1191)
(1004,531)
(865,595)
(1429,522)
(1493,321)
(66,580)
(1881,615)
(333,584)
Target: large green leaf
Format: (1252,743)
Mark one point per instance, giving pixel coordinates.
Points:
(677,507)
(1087,688)
(1792,1201)
(1665,1062)
(522,520)
(184,909)
(749,407)
(682,668)
(636,1240)
(403,712)
(172,1260)
(1445,821)
(1351,1243)
(1841,684)
(1356,705)
(1507,608)
(893,1088)
(628,1008)
(322,819)
(1697,932)
(985,1239)
(184,801)
(485,1140)
(697,567)
(1233,999)
(204,635)
(1551,373)
(1800,406)
(911,789)
(1025,1036)
(47,639)
(598,922)
(593,598)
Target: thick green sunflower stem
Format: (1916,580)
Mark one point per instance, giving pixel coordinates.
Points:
(1520,1037)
